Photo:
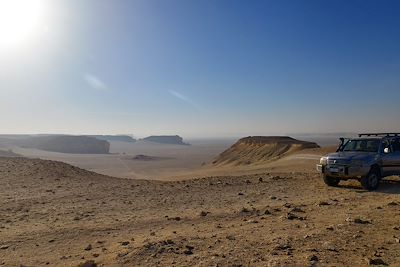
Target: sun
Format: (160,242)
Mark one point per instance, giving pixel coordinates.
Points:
(20,20)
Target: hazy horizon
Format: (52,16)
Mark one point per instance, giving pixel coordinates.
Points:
(199,68)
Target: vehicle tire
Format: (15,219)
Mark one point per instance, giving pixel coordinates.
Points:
(331,181)
(371,181)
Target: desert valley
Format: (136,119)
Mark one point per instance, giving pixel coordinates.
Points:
(199,133)
(256,202)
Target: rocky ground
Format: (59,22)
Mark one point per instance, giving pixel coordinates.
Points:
(57,215)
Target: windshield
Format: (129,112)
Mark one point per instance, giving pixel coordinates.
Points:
(362,145)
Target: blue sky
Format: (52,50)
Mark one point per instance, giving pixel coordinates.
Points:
(206,68)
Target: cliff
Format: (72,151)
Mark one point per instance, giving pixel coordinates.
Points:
(67,144)
(261,149)
(166,139)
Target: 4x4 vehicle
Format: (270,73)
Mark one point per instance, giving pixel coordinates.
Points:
(368,158)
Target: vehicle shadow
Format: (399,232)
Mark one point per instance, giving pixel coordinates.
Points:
(389,185)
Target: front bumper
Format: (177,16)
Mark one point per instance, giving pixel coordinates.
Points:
(342,171)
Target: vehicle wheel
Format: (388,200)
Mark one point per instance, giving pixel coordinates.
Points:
(371,180)
(331,181)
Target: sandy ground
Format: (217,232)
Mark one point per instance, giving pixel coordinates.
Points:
(171,160)
(58,215)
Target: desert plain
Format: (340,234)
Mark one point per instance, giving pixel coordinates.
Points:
(167,205)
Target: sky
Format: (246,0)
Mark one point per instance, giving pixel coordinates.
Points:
(202,68)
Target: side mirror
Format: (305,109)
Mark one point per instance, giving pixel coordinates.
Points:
(386,150)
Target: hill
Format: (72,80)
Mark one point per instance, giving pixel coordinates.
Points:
(261,149)
(66,144)
(8,153)
(120,138)
(166,139)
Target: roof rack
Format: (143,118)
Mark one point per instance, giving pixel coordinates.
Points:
(379,134)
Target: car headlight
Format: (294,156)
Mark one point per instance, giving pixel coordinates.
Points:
(323,161)
(357,163)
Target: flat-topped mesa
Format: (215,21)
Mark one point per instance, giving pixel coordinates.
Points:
(120,138)
(275,139)
(67,144)
(166,139)
(261,149)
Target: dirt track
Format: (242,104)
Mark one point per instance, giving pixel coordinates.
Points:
(59,215)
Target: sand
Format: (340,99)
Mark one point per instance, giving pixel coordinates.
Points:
(58,215)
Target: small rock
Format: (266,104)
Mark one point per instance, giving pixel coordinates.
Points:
(272,197)
(393,203)
(376,262)
(313,258)
(4,247)
(204,213)
(282,246)
(122,254)
(329,246)
(296,209)
(125,243)
(361,221)
(330,227)
(245,210)
(90,263)
(169,242)
(323,203)
(291,216)
(188,252)
(260,179)
(89,247)
(230,237)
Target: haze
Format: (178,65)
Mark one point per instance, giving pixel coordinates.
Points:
(201,68)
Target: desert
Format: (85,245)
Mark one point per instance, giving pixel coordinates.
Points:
(276,213)
(199,133)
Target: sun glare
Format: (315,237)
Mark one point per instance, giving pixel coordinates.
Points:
(20,20)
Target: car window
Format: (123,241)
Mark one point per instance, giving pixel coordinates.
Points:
(396,145)
(362,145)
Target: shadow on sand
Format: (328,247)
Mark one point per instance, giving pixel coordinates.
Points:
(389,185)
